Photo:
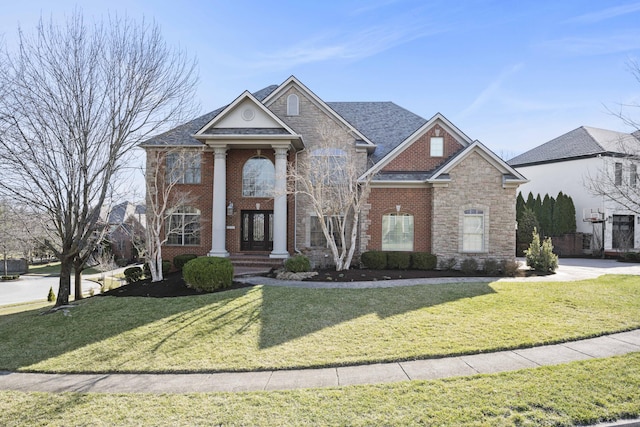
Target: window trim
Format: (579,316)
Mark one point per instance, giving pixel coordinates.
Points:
(404,217)
(474,211)
(293,105)
(183,212)
(440,141)
(270,186)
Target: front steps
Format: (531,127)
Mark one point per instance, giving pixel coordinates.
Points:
(245,264)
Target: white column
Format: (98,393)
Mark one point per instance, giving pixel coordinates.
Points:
(280,205)
(219,226)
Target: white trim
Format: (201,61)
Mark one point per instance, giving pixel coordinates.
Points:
(245,95)
(438,118)
(494,160)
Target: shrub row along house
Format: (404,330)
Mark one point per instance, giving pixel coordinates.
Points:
(429,187)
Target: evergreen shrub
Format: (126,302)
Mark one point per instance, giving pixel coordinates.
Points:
(448,264)
(133,274)
(539,256)
(397,260)
(423,261)
(208,274)
(297,264)
(375,260)
(180,260)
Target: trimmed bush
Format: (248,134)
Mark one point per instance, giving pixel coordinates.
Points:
(448,264)
(423,261)
(469,266)
(297,264)
(180,260)
(133,274)
(51,297)
(398,260)
(491,267)
(208,274)
(375,260)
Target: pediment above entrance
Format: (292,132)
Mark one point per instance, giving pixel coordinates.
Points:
(246,121)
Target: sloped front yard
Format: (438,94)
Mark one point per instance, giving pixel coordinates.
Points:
(266,327)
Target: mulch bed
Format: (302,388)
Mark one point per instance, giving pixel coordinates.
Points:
(174,286)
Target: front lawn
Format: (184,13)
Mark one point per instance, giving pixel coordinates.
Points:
(273,328)
(579,393)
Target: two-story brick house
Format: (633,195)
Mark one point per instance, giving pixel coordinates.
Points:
(449,195)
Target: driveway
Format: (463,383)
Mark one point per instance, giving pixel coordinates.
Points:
(585,268)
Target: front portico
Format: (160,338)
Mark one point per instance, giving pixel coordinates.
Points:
(247,126)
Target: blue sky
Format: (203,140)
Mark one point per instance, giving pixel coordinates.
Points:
(513,74)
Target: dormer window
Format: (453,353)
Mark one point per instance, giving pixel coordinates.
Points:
(293,105)
(437,146)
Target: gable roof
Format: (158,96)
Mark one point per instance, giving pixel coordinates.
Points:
(292,81)
(183,134)
(386,124)
(582,142)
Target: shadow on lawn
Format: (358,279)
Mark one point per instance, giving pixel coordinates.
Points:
(282,315)
(317,309)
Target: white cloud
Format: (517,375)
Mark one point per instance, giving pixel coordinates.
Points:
(491,91)
(601,15)
(621,41)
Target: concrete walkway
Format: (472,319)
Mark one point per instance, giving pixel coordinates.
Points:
(488,363)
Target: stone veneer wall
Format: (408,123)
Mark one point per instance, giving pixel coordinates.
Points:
(475,184)
(309,123)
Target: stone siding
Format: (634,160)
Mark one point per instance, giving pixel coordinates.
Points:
(475,184)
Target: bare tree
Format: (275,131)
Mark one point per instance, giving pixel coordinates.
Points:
(617,179)
(163,201)
(330,179)
(77,98)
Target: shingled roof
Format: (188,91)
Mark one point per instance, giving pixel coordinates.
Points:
(582,142)
(384,123)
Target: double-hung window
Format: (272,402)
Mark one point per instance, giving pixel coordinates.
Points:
(473,231)
(183,167)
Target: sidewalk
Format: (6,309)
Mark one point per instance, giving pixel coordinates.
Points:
(487,363)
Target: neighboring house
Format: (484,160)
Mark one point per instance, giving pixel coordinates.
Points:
(124,221)
(568,163)
(434,189)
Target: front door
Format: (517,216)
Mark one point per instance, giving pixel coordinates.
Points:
(257,231)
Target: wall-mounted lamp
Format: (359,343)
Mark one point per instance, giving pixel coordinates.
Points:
(230,209)
(398,207)
(609,219)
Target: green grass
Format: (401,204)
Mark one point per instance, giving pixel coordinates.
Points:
(273,328)
(563,395)
(53,269)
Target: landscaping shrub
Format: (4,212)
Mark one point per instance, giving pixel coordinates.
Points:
(208,273)
(166,267)
(510,267)
(448,264)
(398,260)
(180,260)
(629,257)
(491,267)
(297,264)
(540,257)
(51,297)
(469,266)
(133,274)
(375,260)
(423,261)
